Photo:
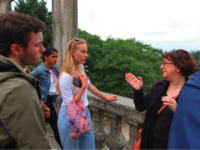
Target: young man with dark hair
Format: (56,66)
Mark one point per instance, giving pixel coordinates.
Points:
(22,125)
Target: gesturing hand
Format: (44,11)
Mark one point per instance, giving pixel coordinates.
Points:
(136,83)
(170,102)
(111,98)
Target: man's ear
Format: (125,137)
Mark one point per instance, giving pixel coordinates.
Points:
(71,52)
(15,48)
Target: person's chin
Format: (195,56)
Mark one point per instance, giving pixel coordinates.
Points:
(164,76)
(36,62)
(82,62)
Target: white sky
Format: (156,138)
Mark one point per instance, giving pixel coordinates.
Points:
(165,24)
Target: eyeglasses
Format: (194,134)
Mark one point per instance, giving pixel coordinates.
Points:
(76,39)
(164,63)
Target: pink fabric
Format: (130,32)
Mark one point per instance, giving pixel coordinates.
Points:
(54,78)
(77,119)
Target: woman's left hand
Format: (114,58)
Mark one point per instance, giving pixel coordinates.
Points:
(111,98)
(169,102)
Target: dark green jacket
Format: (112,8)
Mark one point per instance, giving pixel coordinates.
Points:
(22,124)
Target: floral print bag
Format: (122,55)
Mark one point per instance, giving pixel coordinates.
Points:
(77,119)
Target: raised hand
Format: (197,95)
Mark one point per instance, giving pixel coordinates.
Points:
(84,80)
(169,102)
(111,98)
(136,83)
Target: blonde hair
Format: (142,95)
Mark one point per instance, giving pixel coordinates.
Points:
(68,61)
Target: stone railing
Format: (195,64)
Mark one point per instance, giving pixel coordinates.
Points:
(123,108)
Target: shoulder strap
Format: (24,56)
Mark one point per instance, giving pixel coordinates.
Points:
(166,105)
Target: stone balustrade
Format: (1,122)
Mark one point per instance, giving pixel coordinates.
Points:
(124,109)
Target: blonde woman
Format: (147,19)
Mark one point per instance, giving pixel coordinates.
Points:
(75,57)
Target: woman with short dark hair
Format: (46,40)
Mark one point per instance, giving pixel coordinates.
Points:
(177,66)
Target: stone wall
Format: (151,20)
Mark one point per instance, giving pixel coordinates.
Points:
(123,108)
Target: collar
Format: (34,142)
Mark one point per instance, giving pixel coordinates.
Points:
(45,68)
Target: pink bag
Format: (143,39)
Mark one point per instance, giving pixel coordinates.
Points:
(77,119)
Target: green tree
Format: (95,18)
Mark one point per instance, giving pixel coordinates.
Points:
(108,62)
(94,44)
(196,56)
(38,10)
(124,56)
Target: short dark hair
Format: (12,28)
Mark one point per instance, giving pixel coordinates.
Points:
(16,28)
(183,60)
(48,51)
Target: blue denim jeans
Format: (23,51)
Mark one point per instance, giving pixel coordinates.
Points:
(84,141)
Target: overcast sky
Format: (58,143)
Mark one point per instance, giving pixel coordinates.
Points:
(165,24)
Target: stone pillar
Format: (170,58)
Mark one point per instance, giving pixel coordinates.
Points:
(69,17)
(115,138)
(133,134)
(98,127)
(64,28)
(56,29)
(5,6)
(65,25)
(0,6)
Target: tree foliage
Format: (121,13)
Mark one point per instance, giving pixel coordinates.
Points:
(38,10)
(108,61)
(196,56)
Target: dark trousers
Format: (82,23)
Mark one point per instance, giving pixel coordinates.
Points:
(53,119)
(159,144)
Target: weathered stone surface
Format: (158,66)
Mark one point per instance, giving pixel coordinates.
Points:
(69,19)
(116,110)
(0,6)
(51,138)
(123,107)
(5,6)
(98,127)
(65,25)
(133,133)
(56,30)
(54,145)
(115,138)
